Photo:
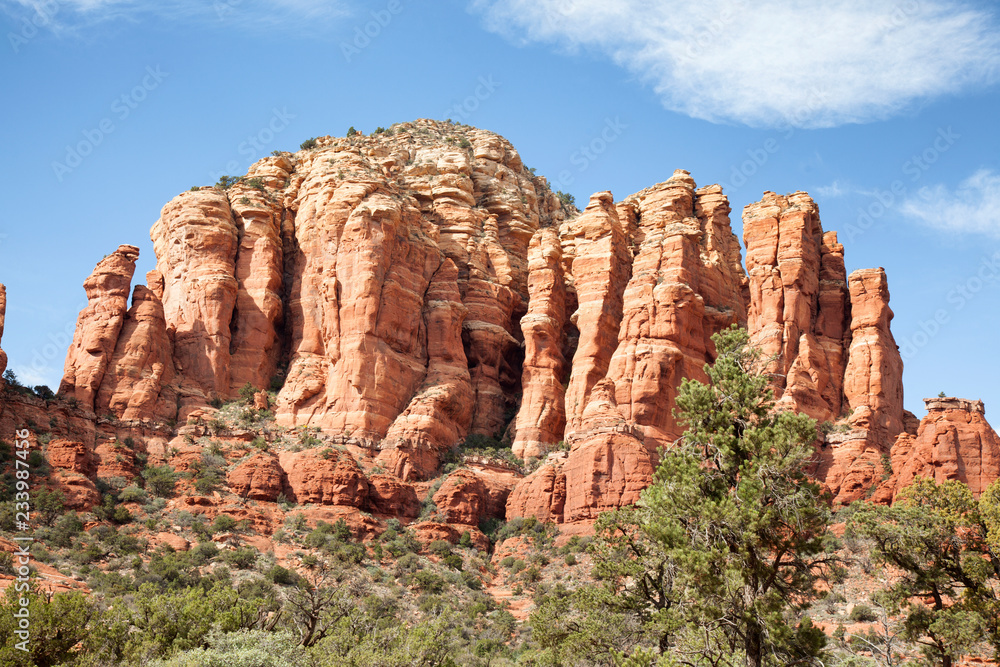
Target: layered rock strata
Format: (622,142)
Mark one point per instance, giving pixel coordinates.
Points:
(684,283)
(954,442)
(99,324)
(3,316)
(419,286)
(799,309)
(541,419)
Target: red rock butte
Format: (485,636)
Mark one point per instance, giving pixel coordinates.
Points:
(421,285)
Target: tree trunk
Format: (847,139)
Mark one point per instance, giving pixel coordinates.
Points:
(754,648)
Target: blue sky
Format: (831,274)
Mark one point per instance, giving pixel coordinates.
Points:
(886,115)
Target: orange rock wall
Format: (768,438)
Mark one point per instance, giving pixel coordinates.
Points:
(419,286)
(954,442)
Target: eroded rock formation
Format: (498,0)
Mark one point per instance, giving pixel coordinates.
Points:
(3,316)
(799,308)
(419,286)
(98,325)
(954,442)
(541,419)
(139,381)
(195,241)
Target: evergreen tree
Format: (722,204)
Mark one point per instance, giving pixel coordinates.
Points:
(725,544)
(940,537)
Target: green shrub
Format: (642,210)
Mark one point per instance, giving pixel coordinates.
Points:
(226,182)
(862,613)
(453,561)
(308,144)
(223,523)
(570,559)
(440,548)
(281,575)
(204,552)
(408,563)
(127,544)
(242,558)
(429,582)
(160,480)
(43,392)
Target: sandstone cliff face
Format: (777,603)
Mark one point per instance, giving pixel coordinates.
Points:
(139,381)
(419,286)
(541,419)
(954,442)
(388,273)
(195,241)
(3,315)
(852,462)
(799,307)
(687,284)
(260,477)
(259,266)
(827,339)
(684,283)
(329,477)
(601,268)
(98,325)
(873,383)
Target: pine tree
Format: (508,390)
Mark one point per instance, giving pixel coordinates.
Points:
(732,506)
(945,543)
(724,545)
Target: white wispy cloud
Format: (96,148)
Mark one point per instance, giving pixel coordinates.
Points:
(972,207)
(31,377)
(809,63)
(66,16)
(835,189)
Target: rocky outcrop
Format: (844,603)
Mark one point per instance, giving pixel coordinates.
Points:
(601,269)
(825,339)
(954,442)
(440,413)
(98,325)
(139,381)
(873,379)
(78,491)
(854,461)
(542,494)
(388,496)
(684,283)
(607,467)
(466,497)
(3,316)
(408,275)
(72,456)
(260,477)
(327,477)
(541,418)
(799,308)
(195,241)
(687,283)
(115,460)
(419,286)
(259,267)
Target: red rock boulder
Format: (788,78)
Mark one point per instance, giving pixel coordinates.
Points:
(327,477)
